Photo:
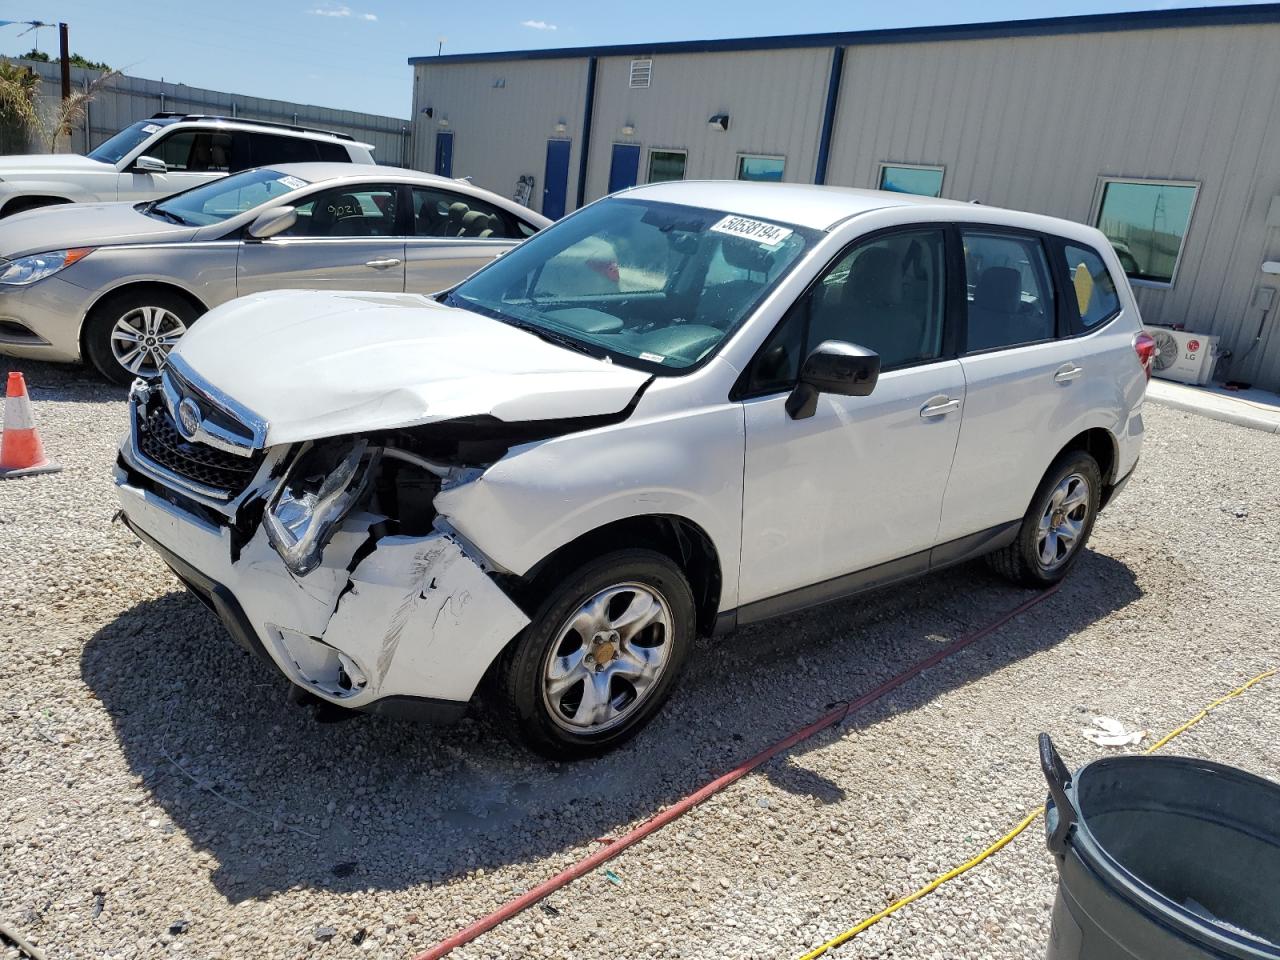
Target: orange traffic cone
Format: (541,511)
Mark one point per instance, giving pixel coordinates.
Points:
(21,453)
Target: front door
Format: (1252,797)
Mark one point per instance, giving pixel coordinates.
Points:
(444,153)
(346,238)
(556,181)
(624,167)
(192,156)
(861,482)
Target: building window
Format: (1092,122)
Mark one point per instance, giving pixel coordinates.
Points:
(666,165)
(911,178)
(1146,221)
(760,168)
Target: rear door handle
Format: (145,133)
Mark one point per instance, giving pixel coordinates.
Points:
(1068,372)
(939,406)
(382,264)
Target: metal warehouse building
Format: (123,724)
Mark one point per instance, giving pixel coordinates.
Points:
(1162,128)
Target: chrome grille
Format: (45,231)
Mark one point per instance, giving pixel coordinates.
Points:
(215,470)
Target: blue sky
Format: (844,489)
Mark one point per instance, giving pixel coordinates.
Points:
(351,53)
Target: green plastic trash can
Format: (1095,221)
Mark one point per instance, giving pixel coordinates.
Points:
(1162,858)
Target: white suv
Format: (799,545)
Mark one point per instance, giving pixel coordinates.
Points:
(685,407)
(163,155)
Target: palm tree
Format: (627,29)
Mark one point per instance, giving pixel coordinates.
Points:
(21,109)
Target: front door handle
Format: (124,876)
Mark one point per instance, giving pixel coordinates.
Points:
(1068,372)
(382,264)
(939,406)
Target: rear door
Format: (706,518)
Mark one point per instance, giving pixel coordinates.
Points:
(452,235)
(347,238)
(1025,381)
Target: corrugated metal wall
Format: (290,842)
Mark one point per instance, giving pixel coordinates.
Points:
(126,99)
(501,116)
(1033,123)
(774,99)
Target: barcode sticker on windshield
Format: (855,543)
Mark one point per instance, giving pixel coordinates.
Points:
(151,128)
(653,357)
(293,183)
(767,234)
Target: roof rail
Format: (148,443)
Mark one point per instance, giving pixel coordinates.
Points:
(163,115)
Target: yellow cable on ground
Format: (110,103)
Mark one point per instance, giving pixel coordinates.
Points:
(1026,821)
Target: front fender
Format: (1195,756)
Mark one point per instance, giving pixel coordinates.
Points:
(543,496)
(14,189)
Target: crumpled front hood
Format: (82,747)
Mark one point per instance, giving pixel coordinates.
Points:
(319,364)
(43,164)
(83,225)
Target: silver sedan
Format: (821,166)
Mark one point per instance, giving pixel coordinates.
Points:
(118,284)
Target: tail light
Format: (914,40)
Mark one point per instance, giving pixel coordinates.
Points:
(1145,346)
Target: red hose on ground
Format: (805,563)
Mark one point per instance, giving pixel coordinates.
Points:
(676,810)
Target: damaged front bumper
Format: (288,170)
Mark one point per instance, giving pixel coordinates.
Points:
(392,624)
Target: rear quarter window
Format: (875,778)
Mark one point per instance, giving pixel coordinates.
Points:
(1094,288)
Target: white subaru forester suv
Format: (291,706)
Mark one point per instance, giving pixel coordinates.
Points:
(685,407)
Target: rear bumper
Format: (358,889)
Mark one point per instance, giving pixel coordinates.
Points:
(408,630)
(1110,493)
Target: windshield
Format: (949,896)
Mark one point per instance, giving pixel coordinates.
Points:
(118,146)
(226,197)
(653,285)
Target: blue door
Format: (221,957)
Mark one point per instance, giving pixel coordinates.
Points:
(444,153)
(557,179)
(624,168)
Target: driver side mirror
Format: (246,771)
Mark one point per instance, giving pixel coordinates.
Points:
(146,164)
(844,369)
(271,221)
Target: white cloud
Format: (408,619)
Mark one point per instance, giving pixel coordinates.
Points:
(332,10)
(537,25)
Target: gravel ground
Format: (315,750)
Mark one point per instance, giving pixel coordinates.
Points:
(160,797)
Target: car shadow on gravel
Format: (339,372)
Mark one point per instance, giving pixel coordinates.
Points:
(281,801)
(62,381)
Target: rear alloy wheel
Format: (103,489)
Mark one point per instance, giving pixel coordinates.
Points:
(599,657)
(130,336)
(1056,525)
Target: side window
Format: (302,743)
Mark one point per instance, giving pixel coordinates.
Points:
(270,148)
(1095,291)
(1010,297)
(442,213)
(888,294)
(331,152)
(195,151)
(364,211)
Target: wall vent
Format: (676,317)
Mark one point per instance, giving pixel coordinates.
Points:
(641,73)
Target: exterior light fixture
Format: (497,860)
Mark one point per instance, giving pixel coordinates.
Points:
(628,130)
(429,111)
(561,126)
(719,122)
(443,122)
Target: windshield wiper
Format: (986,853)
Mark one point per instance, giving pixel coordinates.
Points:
(167,214)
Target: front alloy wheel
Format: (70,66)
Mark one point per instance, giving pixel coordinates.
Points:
(129,334)
(599,656)
(142,338)
(607,658)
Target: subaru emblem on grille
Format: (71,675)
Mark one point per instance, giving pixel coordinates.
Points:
(188,417)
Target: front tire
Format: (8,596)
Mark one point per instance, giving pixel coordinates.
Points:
(599,658)
(130,334)
(1056,526)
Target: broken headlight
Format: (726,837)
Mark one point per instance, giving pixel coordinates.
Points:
(319,490)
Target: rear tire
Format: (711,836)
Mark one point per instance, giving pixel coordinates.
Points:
(599,658)
(129,334)
(1056,526)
